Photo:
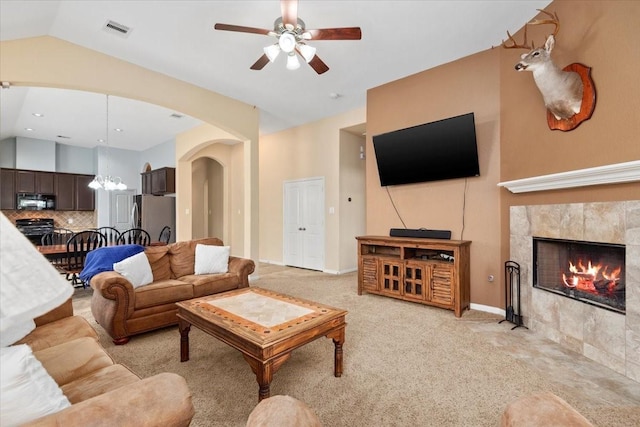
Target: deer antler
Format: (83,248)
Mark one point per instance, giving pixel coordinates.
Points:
(515,45)
(553,19)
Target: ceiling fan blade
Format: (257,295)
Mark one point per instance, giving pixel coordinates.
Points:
(289,9)
(260,63)
(241,29)
(347,33)
(318,65)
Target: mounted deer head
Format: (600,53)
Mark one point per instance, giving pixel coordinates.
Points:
(561,90)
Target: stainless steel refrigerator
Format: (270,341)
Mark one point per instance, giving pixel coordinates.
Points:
(152,213)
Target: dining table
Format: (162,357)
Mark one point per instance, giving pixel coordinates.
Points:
(52,251)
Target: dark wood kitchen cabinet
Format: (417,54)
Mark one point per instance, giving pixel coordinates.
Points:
(35,182)
(146,182)
(73,192)
(85,196)
(159,181)
(7,189)
(65,192)
(163,181)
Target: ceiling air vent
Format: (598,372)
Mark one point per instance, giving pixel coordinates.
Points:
(63,137)
(118,29)
(176,115)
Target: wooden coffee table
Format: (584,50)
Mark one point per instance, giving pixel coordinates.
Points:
(264,325)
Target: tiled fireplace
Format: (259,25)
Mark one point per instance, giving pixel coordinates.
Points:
(594,315)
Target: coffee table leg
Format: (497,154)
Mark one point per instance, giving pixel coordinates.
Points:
(184,327)
(264,376)
(338,340)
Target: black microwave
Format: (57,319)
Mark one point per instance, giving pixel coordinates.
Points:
(35,202)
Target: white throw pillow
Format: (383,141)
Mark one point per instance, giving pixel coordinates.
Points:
(211,259)
(136,269)
(28,391)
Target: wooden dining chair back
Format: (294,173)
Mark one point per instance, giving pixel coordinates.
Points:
(165,234)
(78,246)
(112,234)
(58,236)
(134,236)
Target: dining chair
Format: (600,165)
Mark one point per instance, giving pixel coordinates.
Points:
(134,236)
(78,246)
(165,234)
(112,234)
(58,236)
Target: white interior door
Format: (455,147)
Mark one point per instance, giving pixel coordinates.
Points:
(303,240)
(121,204)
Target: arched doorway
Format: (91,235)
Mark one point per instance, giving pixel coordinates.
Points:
(209,213)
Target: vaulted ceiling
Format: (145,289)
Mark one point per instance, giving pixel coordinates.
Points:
(177,38)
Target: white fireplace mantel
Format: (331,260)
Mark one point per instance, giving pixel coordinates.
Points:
(609,174)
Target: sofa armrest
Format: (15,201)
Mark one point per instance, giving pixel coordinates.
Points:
(243,267)
(161,400)
(60,312)
(113,302)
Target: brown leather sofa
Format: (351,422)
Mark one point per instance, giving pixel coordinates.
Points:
(100,391)
(123,310)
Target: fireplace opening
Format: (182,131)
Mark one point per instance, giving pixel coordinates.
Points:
(590,272)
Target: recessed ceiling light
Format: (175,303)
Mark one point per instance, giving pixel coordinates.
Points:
(37,114)
(119,130)
(100,140)
(28,129)
(334,95)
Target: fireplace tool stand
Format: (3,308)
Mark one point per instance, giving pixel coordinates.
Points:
(512,294)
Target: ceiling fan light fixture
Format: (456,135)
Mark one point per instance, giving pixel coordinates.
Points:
(292,62)
(287,42)
(272,52)
(307,52)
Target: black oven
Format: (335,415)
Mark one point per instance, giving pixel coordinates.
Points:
(35,202)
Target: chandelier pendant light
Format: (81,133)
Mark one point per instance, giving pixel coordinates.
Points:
(107,182)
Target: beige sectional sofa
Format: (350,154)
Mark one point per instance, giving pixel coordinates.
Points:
(123,310)
(100,391)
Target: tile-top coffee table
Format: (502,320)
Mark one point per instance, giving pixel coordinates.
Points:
(264,325)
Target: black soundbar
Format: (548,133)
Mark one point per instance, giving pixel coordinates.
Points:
(420,232)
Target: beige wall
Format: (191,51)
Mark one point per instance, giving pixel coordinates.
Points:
(514,140)
(210,210)
(471,84)
(351,208)
(312,150)
(604,36)
(50,62)
(232,159)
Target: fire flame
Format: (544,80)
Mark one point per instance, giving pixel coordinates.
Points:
(587,278)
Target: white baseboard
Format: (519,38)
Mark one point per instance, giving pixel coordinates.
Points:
(338,272)
(487,309)
(266,261)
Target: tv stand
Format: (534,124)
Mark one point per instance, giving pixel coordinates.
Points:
(427,271)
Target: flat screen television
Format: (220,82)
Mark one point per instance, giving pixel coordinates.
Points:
(444,149)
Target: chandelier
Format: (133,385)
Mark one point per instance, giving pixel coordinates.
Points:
(107,182)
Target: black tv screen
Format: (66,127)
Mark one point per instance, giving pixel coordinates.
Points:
(434,151)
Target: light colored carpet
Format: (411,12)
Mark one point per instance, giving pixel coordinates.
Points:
(404,365)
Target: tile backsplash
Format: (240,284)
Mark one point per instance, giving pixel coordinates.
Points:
(73,220)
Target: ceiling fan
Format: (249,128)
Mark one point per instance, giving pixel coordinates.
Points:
(291,35)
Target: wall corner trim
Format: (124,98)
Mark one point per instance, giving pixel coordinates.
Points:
(608,174)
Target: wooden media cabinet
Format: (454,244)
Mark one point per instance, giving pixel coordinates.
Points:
(427,271)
